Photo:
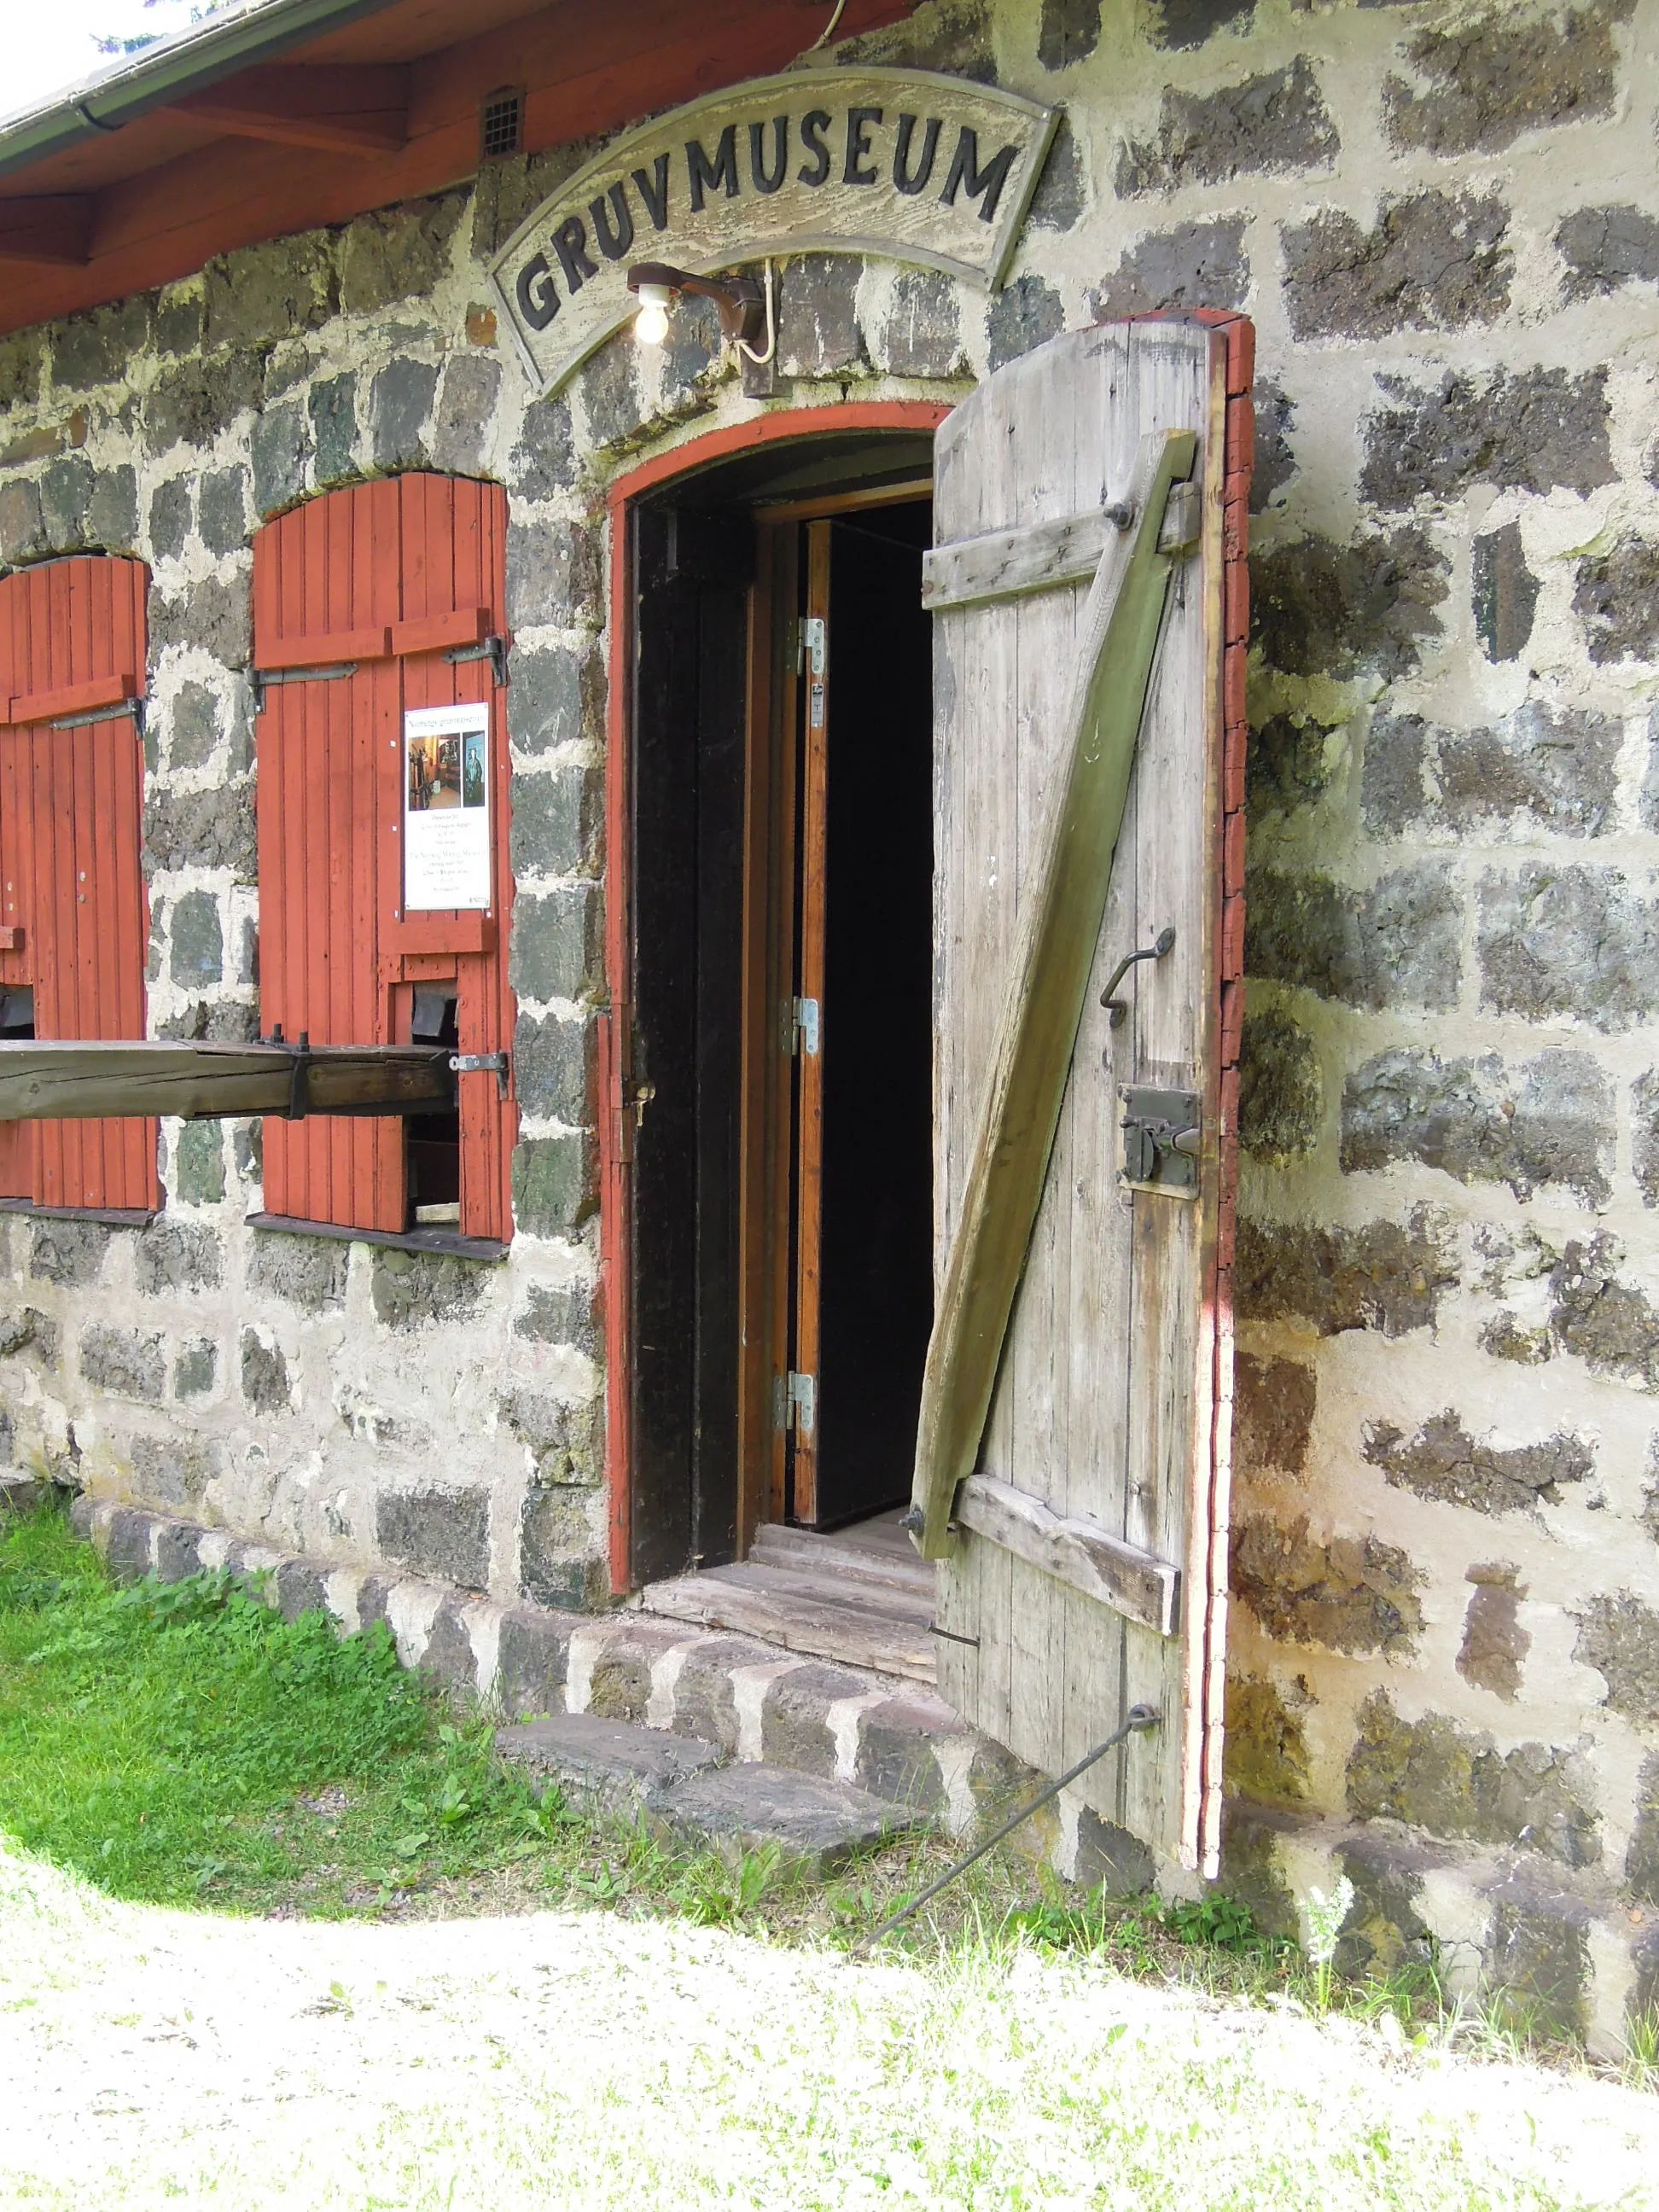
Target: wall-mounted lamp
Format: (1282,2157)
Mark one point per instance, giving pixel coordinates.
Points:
(744,307)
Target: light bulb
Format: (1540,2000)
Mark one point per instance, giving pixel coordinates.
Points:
(650,324)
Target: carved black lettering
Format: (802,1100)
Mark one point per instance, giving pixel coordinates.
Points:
(767,180)
(813,124)
(653,191)
(859,121)
(966,172)
(614,241)
(902,178)
(706,174)
(570,244)
(538,294)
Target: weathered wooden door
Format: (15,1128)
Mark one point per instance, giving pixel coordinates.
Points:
(1084,1568)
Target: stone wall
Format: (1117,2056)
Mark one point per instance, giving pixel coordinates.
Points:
(1445,222)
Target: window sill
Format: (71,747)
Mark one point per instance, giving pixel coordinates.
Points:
(449,1240)
(114,1217)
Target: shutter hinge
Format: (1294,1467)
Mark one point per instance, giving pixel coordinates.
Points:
(803,1027)
(803,1390)
(494,650)
(498,1064)
(264,678)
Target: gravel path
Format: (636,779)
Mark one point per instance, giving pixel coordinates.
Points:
(148,2057)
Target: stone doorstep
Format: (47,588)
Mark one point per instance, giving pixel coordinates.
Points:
(1560,1949)
(896,1742)
(18,1493)
(682,1790)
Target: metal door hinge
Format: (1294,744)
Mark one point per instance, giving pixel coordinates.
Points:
(811,644)
(803,1390)
(498,1064)
(803,1027)
(1163,1137)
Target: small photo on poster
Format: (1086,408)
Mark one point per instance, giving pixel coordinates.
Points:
(446,858)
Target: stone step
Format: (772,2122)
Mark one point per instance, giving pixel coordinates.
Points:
(18,1493)
(681,1789)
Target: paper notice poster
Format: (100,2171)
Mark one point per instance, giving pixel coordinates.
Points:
(446,808)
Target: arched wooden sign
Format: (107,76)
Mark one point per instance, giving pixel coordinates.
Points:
(902,163)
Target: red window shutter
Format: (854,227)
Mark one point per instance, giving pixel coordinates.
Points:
(387,576)
(73,908)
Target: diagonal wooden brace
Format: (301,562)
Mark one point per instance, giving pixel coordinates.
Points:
(1043,1005)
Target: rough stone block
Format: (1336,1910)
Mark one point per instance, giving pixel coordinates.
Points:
(544,461)
(173,1471)
(1434,1775)
(1503,592)
(1195,265)
(1537,1966)
(449,1657)
(177,1255)
(1320,609)
(126,1545)
(1443,1461)
(813,1824)
(22,533)
(564,1315)
(193,725)
(1645,1135)
(1387,1275)
(307,1271)
(613,403)
(444,1533)
(795,1730)
(1610,1325)
(567,1441)
(128,1361)
(551,1061)
(300,1589)
(397,254)
(248,1149)
(92,348)
(558,823)
(1642,1857)
(195,403)
(818,332)
(1273,1404)
(333,406)
(1352,1594)
(67,1252)
(557,1566)
(605,1766)
(216,619)
(531,1659)
(222,510)
(198,945)
(1481,84)
(1251,1865)
(399,408)
(196,1370)
(1434,260)
(265,1376)
(1265,1745)
(181,319)
(1532,430)
(1548,1122)
(1618,1635)
(178,1556)
(692,359)
(1573,941)
(1385,1930)
(1399,943)
(214,829)
(1617,598)
(922,334)
(553,575)
(65,494)
(1606,247)
(413,1288)
(1068,32)
(112,510)
(896,1757)
(1190,22)
(558,949)
(554,1185)
(1023,316)
(264,293)
(1281,1088)
(1273,122)
(279,447)
(466,413)
(1495,1645)
(199,1168)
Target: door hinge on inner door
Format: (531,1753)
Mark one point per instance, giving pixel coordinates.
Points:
(797,1398)
(803,1027)
(811,643)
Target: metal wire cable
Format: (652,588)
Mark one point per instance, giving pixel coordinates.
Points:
(1139,1719)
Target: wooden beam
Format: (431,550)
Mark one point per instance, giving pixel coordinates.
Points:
(1077,1552)
(1005,564)
(87,1081)
(52,231)
(340,109)
(1037,1034)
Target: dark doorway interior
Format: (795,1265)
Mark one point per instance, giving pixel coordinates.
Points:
(877,1233)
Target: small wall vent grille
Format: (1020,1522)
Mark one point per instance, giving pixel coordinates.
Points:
(501,123)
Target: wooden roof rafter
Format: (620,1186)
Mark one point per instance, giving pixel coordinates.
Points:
(335,108)
(49,230)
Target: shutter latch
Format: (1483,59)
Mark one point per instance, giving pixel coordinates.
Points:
(498,1064)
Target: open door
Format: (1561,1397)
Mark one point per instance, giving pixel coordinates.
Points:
(1078,1511)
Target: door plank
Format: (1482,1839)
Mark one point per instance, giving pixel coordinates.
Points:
(1074,1550)
(1004,564)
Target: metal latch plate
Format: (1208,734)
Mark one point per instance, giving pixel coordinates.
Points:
(1163,1135)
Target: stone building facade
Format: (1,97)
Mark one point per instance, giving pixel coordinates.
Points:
(1444,222)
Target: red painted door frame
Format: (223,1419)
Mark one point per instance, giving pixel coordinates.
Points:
(612,1073)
